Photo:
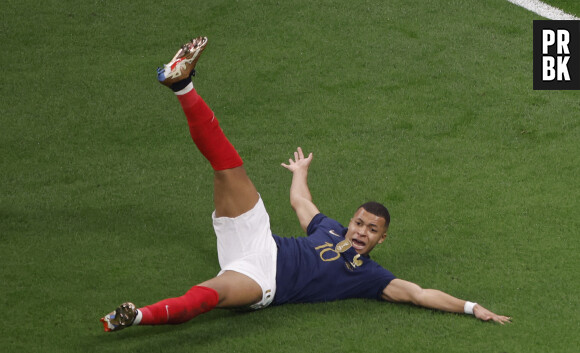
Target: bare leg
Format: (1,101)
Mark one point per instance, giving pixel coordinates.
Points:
(235,290)
(234,192)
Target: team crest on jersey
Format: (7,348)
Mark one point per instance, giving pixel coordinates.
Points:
(343,246)
(356,262)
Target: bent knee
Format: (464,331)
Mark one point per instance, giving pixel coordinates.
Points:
(235,290)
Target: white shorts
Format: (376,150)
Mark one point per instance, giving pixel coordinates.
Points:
(245,245)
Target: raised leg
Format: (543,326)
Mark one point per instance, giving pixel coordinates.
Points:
(234,195)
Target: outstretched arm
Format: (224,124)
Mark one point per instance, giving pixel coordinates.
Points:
(401,291)
(300,197)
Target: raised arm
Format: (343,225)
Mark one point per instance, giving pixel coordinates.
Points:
(402,291)
(300,197)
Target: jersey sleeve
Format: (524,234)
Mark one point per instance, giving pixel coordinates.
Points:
(321,221)
(314,223)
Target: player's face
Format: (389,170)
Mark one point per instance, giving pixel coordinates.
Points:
(365,231)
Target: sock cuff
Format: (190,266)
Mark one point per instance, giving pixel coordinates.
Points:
(185,90)
(138,318)
(211,294)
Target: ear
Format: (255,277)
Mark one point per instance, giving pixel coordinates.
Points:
(383,237)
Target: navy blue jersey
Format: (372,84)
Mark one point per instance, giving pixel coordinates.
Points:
(323,266)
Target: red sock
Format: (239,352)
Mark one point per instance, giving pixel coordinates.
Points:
(207,134)
(197,300)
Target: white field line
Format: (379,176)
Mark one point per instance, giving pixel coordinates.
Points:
(544,9)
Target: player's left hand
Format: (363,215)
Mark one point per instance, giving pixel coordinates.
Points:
(485,315)
(299,162)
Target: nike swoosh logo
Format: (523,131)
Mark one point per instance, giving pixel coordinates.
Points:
(334,233)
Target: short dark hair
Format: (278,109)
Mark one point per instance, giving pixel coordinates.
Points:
(378,209)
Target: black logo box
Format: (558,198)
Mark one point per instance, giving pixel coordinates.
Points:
(573,64)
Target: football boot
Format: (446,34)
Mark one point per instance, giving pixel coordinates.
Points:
(122,317)
(183,63)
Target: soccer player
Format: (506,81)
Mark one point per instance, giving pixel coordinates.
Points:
(258,268)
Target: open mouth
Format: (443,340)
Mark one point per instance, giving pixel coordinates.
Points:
(357,244)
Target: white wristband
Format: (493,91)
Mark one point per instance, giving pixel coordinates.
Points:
(468,307)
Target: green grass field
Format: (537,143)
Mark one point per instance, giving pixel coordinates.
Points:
(425,105)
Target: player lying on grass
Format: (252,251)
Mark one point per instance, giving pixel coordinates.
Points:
(260,269)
